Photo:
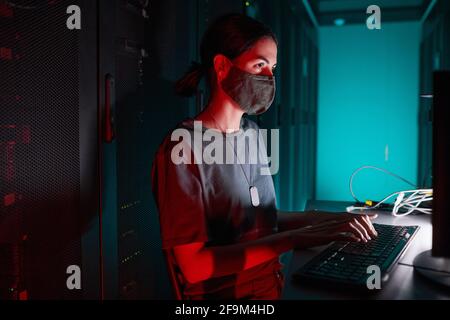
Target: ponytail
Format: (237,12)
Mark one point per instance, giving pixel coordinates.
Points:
(187,85)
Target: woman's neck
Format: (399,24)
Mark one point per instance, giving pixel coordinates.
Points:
(222,114)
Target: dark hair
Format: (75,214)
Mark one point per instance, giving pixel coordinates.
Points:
(230,35)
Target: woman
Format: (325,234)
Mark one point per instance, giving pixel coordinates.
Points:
(220,220)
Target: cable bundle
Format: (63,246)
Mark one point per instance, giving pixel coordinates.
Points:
(407,201)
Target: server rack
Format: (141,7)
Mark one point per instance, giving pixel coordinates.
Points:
(48,163)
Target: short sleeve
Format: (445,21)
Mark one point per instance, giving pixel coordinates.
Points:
(177,190)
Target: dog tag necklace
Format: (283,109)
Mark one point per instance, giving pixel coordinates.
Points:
(254,196)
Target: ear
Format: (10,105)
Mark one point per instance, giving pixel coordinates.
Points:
(221,65)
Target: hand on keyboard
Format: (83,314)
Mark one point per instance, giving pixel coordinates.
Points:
(342,227)
(348,262)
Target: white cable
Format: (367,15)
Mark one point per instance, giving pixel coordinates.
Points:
(376,168)
(411,202)
(349,209)
(410,207)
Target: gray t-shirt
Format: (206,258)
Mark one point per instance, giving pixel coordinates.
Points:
(210,202)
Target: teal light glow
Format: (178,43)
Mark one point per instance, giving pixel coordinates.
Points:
(339,22)
(368,109)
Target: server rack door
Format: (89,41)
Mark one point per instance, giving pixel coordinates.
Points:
(48,169)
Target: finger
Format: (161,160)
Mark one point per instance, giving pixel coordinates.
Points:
(372,216)
(362,228)
(365,220)
(369,226)
(353,228)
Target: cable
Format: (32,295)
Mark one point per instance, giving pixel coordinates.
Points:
(376,168)
(412,203)
(409,203)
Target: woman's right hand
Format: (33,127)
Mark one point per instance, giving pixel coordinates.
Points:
(344,228)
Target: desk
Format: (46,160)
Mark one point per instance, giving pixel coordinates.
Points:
(404,283)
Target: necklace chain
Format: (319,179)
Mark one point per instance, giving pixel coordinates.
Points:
(219,127)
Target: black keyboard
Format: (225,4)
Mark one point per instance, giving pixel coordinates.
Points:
(347,262)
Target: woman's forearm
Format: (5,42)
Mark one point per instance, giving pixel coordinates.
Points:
(288,220)
(292,220)
(230,259)
(208,262)
(200,263)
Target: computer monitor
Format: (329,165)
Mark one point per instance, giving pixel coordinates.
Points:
(435,263)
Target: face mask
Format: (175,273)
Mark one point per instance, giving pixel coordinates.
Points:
(254,93)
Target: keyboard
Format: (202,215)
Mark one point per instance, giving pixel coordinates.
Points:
(347,263)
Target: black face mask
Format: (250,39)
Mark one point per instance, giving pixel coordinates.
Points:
(252,92)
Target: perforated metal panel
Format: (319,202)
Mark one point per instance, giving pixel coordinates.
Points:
(39,147)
